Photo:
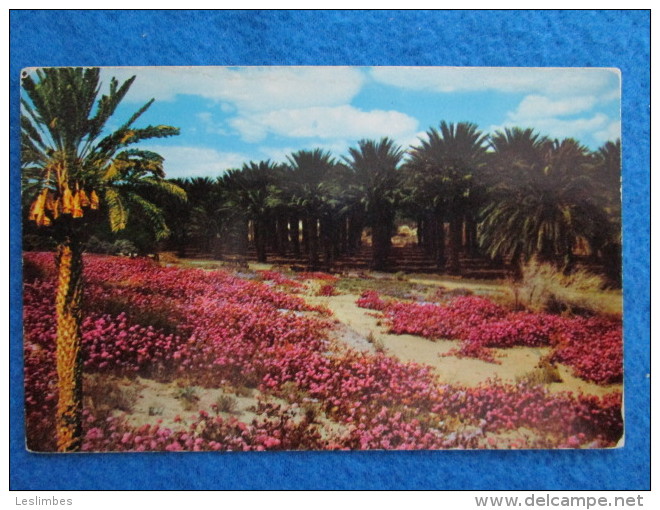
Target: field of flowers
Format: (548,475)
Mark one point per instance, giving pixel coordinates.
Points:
(214,329)
(592,346)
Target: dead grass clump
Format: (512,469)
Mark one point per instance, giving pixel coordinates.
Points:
(544,288)
(225,404)
(311,410)
(242,391)
(104,394)
(401,276)
(378,344)
(188,397)
(545,372)
(444,294)
(168,257)
(155,410)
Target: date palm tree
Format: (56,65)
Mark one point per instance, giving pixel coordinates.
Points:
(376,181)
(252,190)
(446,165)
(544,205)
(608,173)
(72,173)
(309,187)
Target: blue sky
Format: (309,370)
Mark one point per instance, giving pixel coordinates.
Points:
(231,115)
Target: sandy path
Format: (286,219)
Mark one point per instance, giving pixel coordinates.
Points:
(515,362)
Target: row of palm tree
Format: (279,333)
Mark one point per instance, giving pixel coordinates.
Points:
(510,196)
(313,207)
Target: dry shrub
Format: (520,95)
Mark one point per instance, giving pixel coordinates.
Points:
(545,372)
(242,391)
(378,344)
(162,317)
(401,276)
(188,397)
(544,288)
(168,257)
(444,294)
(104,394)
(226,404)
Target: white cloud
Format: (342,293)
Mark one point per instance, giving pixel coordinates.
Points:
(186,161)
(557,117)
(326,123)
(278,154)
(209,125)
(553,81)
(336,148)
(534,107)
(414,140)
(246,88)
(611,132)
(565,128)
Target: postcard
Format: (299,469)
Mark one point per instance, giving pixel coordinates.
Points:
(321,258)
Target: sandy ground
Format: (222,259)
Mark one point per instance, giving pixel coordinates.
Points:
(365,331)
(515,362)
(162,403)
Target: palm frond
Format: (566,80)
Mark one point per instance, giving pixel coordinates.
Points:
(117,209)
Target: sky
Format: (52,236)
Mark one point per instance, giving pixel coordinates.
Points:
(231,115)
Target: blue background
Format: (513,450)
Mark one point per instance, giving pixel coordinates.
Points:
(457,38)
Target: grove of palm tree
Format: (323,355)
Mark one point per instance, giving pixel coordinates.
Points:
(505,198)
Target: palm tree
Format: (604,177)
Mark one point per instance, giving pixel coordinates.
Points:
(544,205)
(446,165)
(71,174)
(376,182)
(207,213)
(308,186)
(252,190)
(608,173)
(515,154)
(516,150)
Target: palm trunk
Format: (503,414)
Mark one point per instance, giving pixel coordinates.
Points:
(355,233)
(68,310)
(282,228)
(305,235)
(455,235)
(439,240)
(342,247)
(294,230)
(261,239)
(216,247)
(312,228)
(243,236)
(381,241)
(517,262)
(326,243)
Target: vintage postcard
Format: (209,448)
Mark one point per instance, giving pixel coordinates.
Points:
(321,258)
